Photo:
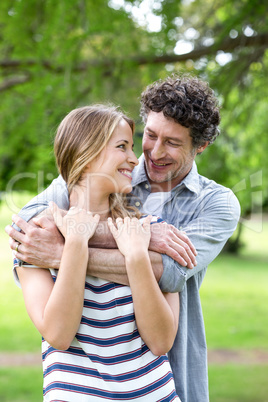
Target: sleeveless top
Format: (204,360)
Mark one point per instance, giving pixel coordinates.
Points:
(107,360)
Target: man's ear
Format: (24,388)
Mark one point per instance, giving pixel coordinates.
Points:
(202,148)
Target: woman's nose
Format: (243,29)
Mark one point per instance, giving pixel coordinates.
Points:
(133,159)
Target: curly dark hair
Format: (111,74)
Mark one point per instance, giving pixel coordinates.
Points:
(187,100)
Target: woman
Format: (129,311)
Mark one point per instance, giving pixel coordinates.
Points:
(94,347)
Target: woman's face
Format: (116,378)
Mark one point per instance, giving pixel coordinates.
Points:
(113,166)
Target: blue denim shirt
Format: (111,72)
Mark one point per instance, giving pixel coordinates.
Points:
(208,213)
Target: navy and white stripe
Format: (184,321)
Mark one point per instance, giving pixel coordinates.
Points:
(107,360)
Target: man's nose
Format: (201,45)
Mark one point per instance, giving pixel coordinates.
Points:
(158,150)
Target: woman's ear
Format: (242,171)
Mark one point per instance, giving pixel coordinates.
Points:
(87,168)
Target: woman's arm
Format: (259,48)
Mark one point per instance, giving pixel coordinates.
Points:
(56,309)
(156,314)
(41,244)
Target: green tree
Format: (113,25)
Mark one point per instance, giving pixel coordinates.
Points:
(58,55)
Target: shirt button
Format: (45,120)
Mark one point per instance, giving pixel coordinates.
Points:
(137,204)
(146,186)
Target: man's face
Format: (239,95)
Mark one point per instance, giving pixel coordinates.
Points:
(168,151)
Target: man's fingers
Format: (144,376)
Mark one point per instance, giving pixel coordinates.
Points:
(13,244)
(181,235)
(181,258)
(19,255)
(186,243)
(21,223)
(176,257)
(18,236)
(184,250)
(43,222)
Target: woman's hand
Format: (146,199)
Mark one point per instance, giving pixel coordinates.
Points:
(131,235)
(77,223)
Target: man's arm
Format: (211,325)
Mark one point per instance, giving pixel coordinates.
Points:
(42,246)
(57,192)
(208,232)
(110,265)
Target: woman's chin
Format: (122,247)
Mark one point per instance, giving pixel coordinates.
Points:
(127,189)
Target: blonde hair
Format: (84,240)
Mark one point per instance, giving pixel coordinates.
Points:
(80,138)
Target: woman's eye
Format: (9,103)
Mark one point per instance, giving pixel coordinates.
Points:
(122,146)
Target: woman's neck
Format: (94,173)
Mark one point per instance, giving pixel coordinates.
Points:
(93,200)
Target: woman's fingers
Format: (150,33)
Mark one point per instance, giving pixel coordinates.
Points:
(56,213)
(112,228)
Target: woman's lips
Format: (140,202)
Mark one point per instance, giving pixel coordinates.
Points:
(126,173)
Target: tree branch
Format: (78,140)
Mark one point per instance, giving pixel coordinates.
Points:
(227,45)
(12,82)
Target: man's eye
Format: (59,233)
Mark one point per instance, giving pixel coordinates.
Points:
(151,136)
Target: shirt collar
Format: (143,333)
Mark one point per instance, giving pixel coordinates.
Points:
(139,173)
(191,181)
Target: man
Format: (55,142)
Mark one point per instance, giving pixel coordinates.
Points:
(181,117)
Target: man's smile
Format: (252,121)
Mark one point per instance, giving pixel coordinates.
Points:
(159,165)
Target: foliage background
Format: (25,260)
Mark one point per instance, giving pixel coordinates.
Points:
(56,56)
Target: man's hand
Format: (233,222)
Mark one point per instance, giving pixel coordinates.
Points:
(167,239)
(40,243)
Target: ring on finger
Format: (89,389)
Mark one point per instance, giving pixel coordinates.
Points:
(17,247)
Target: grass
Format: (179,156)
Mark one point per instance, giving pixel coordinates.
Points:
(236,383)
(17,332)
(21,385)
(234,299)
(233,296)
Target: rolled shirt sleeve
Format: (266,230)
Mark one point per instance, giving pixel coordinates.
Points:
(57,192)
(213,224)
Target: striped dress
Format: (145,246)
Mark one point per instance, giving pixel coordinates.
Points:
(107,360)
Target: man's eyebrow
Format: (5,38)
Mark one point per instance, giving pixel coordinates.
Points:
(149,129)
(167,137)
